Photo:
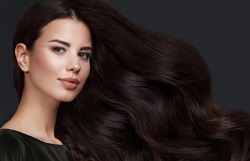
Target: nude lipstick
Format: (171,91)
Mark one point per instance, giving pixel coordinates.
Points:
(69,83)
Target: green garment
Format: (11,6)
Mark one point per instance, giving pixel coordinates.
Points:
(17,146)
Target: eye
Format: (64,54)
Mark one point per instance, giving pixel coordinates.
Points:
(84,56)
(58,50)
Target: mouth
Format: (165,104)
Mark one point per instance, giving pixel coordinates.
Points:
(69,83)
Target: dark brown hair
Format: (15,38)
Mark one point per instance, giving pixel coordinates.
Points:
(148,96)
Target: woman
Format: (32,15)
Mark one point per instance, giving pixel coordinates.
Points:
(147,96)
(54,67)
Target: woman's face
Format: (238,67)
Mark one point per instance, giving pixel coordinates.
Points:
(59,60)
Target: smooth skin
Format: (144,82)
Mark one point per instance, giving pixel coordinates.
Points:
(55,70)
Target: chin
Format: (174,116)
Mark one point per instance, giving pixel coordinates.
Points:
(67,99)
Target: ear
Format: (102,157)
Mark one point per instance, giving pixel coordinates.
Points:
(22,57)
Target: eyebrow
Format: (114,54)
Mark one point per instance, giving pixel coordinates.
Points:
(68,44)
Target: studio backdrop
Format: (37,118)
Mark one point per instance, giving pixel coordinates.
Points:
(220,30)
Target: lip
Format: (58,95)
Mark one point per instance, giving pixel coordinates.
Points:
(69,83)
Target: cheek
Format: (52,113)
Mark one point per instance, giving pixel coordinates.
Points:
(42,64)
(85,70)
(84,74)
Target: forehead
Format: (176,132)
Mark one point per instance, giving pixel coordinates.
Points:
(65,28)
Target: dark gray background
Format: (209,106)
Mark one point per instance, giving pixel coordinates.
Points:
(220,30)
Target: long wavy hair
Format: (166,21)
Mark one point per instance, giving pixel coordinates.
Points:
(147,98)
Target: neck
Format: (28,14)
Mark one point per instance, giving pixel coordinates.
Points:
(36,116)
(41,116)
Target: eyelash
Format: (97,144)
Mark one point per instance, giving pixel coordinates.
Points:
(60,50)
(84,55)
(55,49)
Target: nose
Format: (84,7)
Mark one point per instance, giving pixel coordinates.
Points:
(74,65)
